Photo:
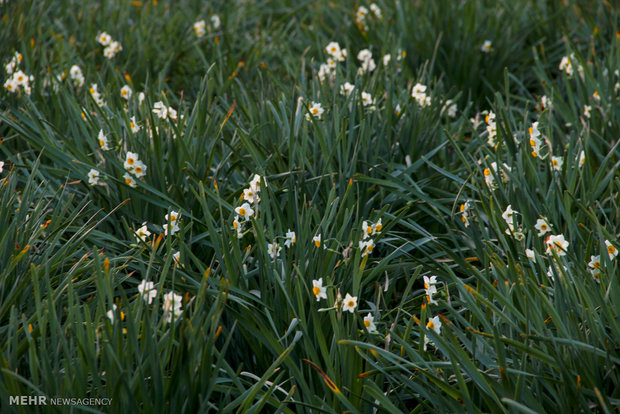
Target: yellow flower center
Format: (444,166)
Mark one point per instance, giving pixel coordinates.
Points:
(532,143)
(367,324)
(369,248)
(317,243)
(128,181)
(315,111)
(351,304)
(316,290)
(425,285)
(92,91)
(464,219)
(138,170)
(430,325)
(334,49)
(20,79)
(369,230)
(130,161)
(242,211)
(611,249)
(235,224)
(101,143)
(534,154)
(543,227)
(596,265)
(378,227)
(554,162)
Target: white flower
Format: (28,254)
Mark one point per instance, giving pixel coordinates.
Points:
(215,21)
(162,111)
(596,96)
(133,124)
(139,169)
(530,255)
(364,55)
(126,92)
(250,195)
(110,313)
(449,108)
(367,99)
(176,258)
(557,162)
(129,180)
(147,291)
(172,306)
(245,211)
(434,324)
(543,226)
(360,14)
(397,109)
(142,233)
(508,217)
(199,28)
(316,239)
(386,59)
(104,39)
(545,102)
(366,247)
(349,303)
(346,89)
(595,266)
(582,158)
(291,238)
(419,94)
(367,66)
(369,323)
(93,177)
(1,166)
(103,141)
(333,49)
(130,160)
(376,10)
(586,110)
(112,49)
(318,289)
(486,46)
(172,225)
(430,288)
(566,65)
(316,111)
(274,250)
(611,249)
(76,75)
(557,243)
(238,226)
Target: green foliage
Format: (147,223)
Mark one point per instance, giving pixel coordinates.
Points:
(508,324)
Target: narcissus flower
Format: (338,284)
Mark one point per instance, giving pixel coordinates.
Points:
(76,76)
(595,266)
(172,225)
(139,169)
(245,211)
(346,89)
(133,124)
(366,247)
(93,177)
(611,250)
(557,163)
(558,244)
(147,291)
(464,209)
(316,111)
(130,160)
(319,291)
(215,21)
(110,313)
(103,141)
(419,94)
(586,111)
(172,306)
(349,303)
(104,39)
(317,240)
(530,255)
(129,180)
(274,249)
(430,288)
(142,233)
(543,226)
(199,28)
(487,46)
(369,323)
(434,324)
(112,49)
(290,238)
(126,92)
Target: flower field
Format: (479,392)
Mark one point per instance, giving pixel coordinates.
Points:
(313,206)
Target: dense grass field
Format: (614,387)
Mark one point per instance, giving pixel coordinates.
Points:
(310,206)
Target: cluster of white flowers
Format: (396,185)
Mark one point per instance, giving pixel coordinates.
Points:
(419,94)
(103,141)
(535,141)
(508,217)
(465,213)
(449,108)
(147,291)
(76,75)
(94,92)
(172,223)
(274,249)
(558,244)
(172,306)
(163,112)
(13,63)
(245,211)
(368,63)
(133,164)
(200,25)
(362,13)
(489,174)
(594,266)
(17,78)
(346,89)
(112,47)
(368,101)
(491,129)
(367,244)
(430,289)
(328,69)
(566,65)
